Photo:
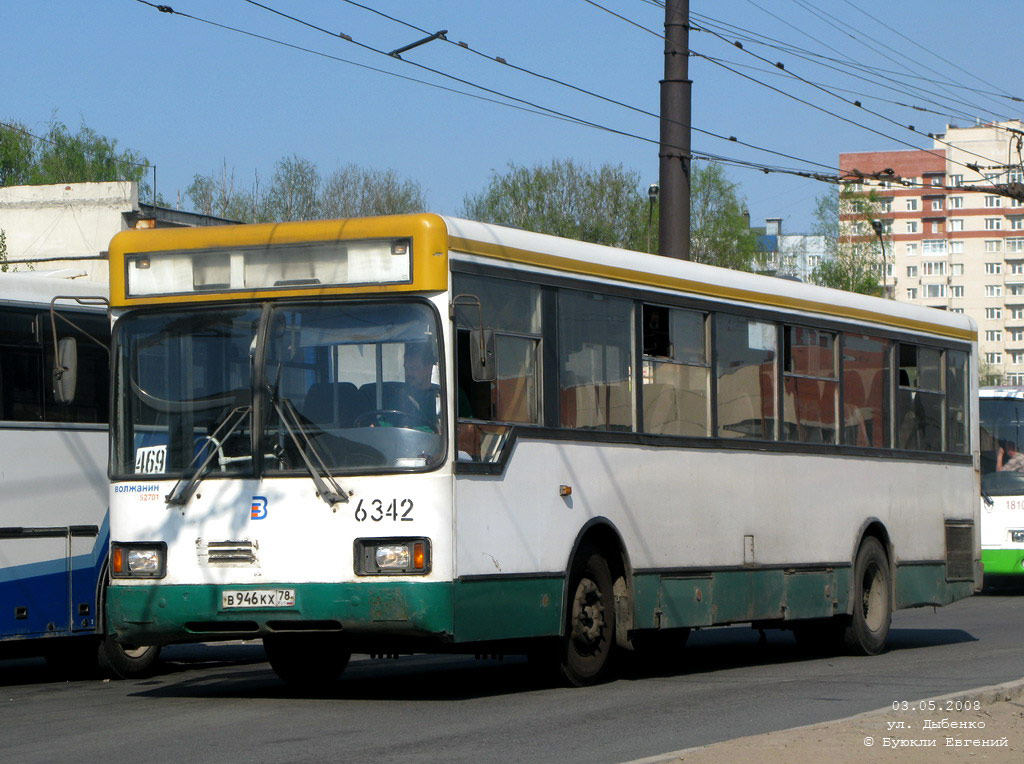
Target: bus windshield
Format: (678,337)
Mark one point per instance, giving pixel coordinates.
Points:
(1002,434)
(341,388)
(179,376)
(353,387)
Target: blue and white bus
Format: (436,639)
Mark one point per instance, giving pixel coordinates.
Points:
(54,529)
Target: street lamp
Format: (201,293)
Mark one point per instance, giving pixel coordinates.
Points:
(877,225)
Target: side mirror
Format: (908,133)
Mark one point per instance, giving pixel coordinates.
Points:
(65,371)
(481,355)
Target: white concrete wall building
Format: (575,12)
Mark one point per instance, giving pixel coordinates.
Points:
(69,225)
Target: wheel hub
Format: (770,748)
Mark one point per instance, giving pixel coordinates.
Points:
(587,614)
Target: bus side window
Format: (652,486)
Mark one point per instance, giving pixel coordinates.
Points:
(919,398)
(676,372)
(473,399)
(21,363)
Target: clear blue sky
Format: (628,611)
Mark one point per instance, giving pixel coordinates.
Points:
(190,96)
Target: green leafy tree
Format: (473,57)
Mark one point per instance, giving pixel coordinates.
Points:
(610,206)
(61,156)
(719,230)
(853,257)
(16,152)
(603,206)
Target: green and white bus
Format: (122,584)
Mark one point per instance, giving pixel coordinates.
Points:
(423,434)
(1002,483)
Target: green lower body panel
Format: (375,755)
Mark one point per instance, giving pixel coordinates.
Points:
(507,608)
(160,614)
(926,584)
(1003,562)
(669,601)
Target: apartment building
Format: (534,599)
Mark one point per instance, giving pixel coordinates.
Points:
(951,240)
(790,255)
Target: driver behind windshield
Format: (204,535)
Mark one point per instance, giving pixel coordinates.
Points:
(1009,459)
(419,396)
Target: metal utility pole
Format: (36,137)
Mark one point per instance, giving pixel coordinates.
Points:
(674,156)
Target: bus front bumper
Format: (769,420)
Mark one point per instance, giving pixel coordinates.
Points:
(1003,562)
(163,614)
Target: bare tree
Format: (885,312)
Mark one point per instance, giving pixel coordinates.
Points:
(354,191)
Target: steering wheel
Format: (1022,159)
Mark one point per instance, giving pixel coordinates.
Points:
(385,418)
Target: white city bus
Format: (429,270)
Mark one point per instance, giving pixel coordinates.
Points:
(424,434)
(54,531)
(1002,483)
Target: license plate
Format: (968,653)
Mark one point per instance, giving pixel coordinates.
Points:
(258,598)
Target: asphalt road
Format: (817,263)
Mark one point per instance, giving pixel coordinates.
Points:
(222,703)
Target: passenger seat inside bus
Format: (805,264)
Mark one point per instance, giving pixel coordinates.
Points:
(333,405)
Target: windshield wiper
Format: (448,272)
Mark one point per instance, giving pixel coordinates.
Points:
(332,495)
(188,482)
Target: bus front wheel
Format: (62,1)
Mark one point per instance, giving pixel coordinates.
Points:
(590,620)
(307,661)
(868,628)
(126,662)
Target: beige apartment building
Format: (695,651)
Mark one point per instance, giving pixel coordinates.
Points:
(952,241)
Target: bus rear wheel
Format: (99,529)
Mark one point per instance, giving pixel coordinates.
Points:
(868,627)
(307,661)
(590,621)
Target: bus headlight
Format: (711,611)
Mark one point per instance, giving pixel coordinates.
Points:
(392,557)
(1017,537)
(138,560)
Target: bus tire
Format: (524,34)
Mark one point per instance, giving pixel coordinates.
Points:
(307,661)
(868,627)
(126,662)
(589,639)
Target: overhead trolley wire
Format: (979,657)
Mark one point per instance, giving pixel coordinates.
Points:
(348,38)
(851,103)
(537,109)
(856,64)
(1001,94)
(504,62)
(780,66)
(837,65)
(844,28)
(169,10)
(860,93)
(771,87)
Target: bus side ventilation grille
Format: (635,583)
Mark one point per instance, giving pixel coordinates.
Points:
(959,551)
(228,553)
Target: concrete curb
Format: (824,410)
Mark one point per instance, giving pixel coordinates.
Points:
(996,693)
